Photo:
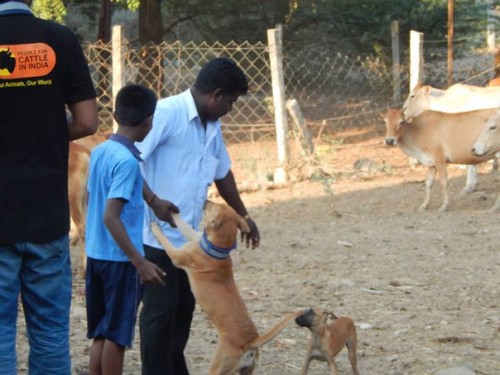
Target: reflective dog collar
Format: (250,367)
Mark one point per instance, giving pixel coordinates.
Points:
(214,251)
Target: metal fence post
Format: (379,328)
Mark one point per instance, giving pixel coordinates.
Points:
(274,37)
(117,64)
(416,58)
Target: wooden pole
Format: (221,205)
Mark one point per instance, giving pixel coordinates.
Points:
(396,77)
(116,41)
(490,29)
(416,58)
(450,41)
(274,37)
(298,118)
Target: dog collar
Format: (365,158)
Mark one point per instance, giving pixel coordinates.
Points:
(214,251)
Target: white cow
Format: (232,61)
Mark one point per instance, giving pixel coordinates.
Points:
(457,98)
(489,138)
(488,141)
(436,139)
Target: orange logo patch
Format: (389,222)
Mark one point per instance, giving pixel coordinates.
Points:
(26,60)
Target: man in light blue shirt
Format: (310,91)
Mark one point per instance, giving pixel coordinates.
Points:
(183,155)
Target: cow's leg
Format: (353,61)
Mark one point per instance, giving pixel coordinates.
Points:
(443,180)
(496,206)
(471,181)
(429,181)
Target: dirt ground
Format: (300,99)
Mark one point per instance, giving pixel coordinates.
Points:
(422,287)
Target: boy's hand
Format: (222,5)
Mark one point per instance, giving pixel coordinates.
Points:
(150,273)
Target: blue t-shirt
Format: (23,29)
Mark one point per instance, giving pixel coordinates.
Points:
(114,173)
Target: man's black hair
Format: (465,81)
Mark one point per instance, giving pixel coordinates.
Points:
(221,73)
(134,103)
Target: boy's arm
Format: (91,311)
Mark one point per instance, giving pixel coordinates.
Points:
(162,208)
(149,272)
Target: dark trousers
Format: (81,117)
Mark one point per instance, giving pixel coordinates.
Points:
(165,320)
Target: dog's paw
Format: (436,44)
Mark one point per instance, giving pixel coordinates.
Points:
(155,228)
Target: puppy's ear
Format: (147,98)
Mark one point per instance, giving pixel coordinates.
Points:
(243,225)
(331,315)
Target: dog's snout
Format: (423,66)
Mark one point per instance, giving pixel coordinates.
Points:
(304,320)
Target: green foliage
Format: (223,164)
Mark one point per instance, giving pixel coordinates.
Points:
(53,10)
(350,26)
(132,5)
(222,21)
(363,26)
(355,27)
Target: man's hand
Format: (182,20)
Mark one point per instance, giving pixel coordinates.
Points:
(150,273)
(164,209)
(253,237)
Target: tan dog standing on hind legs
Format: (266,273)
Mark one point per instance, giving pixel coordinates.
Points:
(206,260)
(328,339)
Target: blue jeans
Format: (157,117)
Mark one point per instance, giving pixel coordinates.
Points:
(41,273)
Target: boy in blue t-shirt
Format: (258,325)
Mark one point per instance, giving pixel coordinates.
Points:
(116,266)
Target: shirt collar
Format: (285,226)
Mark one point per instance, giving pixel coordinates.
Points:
(127,143)
(14,7)
(192,111)
(214,251)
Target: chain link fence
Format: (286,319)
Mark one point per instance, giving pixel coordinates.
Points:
(334,91)
(169,69)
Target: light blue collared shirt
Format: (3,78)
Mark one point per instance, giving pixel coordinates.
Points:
(181,161)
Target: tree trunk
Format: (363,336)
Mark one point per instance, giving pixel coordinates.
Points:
(150,36)
(104,36)
(104,27)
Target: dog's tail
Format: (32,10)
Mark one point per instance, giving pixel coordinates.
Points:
(273,332)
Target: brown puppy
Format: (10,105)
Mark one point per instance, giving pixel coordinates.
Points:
(328,339)
(206,260)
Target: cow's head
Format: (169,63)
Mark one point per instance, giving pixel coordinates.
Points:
(394,123)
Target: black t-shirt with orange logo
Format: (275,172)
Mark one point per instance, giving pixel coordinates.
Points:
(42,68)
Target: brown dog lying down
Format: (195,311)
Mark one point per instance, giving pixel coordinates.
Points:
(206,260)
(328,339)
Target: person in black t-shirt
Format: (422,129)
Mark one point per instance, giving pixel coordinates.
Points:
(43,72)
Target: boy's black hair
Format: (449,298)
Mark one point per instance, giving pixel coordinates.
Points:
(221,73)
(134,103)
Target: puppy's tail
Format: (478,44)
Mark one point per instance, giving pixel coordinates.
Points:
(273,332)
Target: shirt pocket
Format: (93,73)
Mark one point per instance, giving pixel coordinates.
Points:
(209,166)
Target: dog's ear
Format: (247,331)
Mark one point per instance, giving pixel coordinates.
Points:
(331,315)
(243,225)
(215,224)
